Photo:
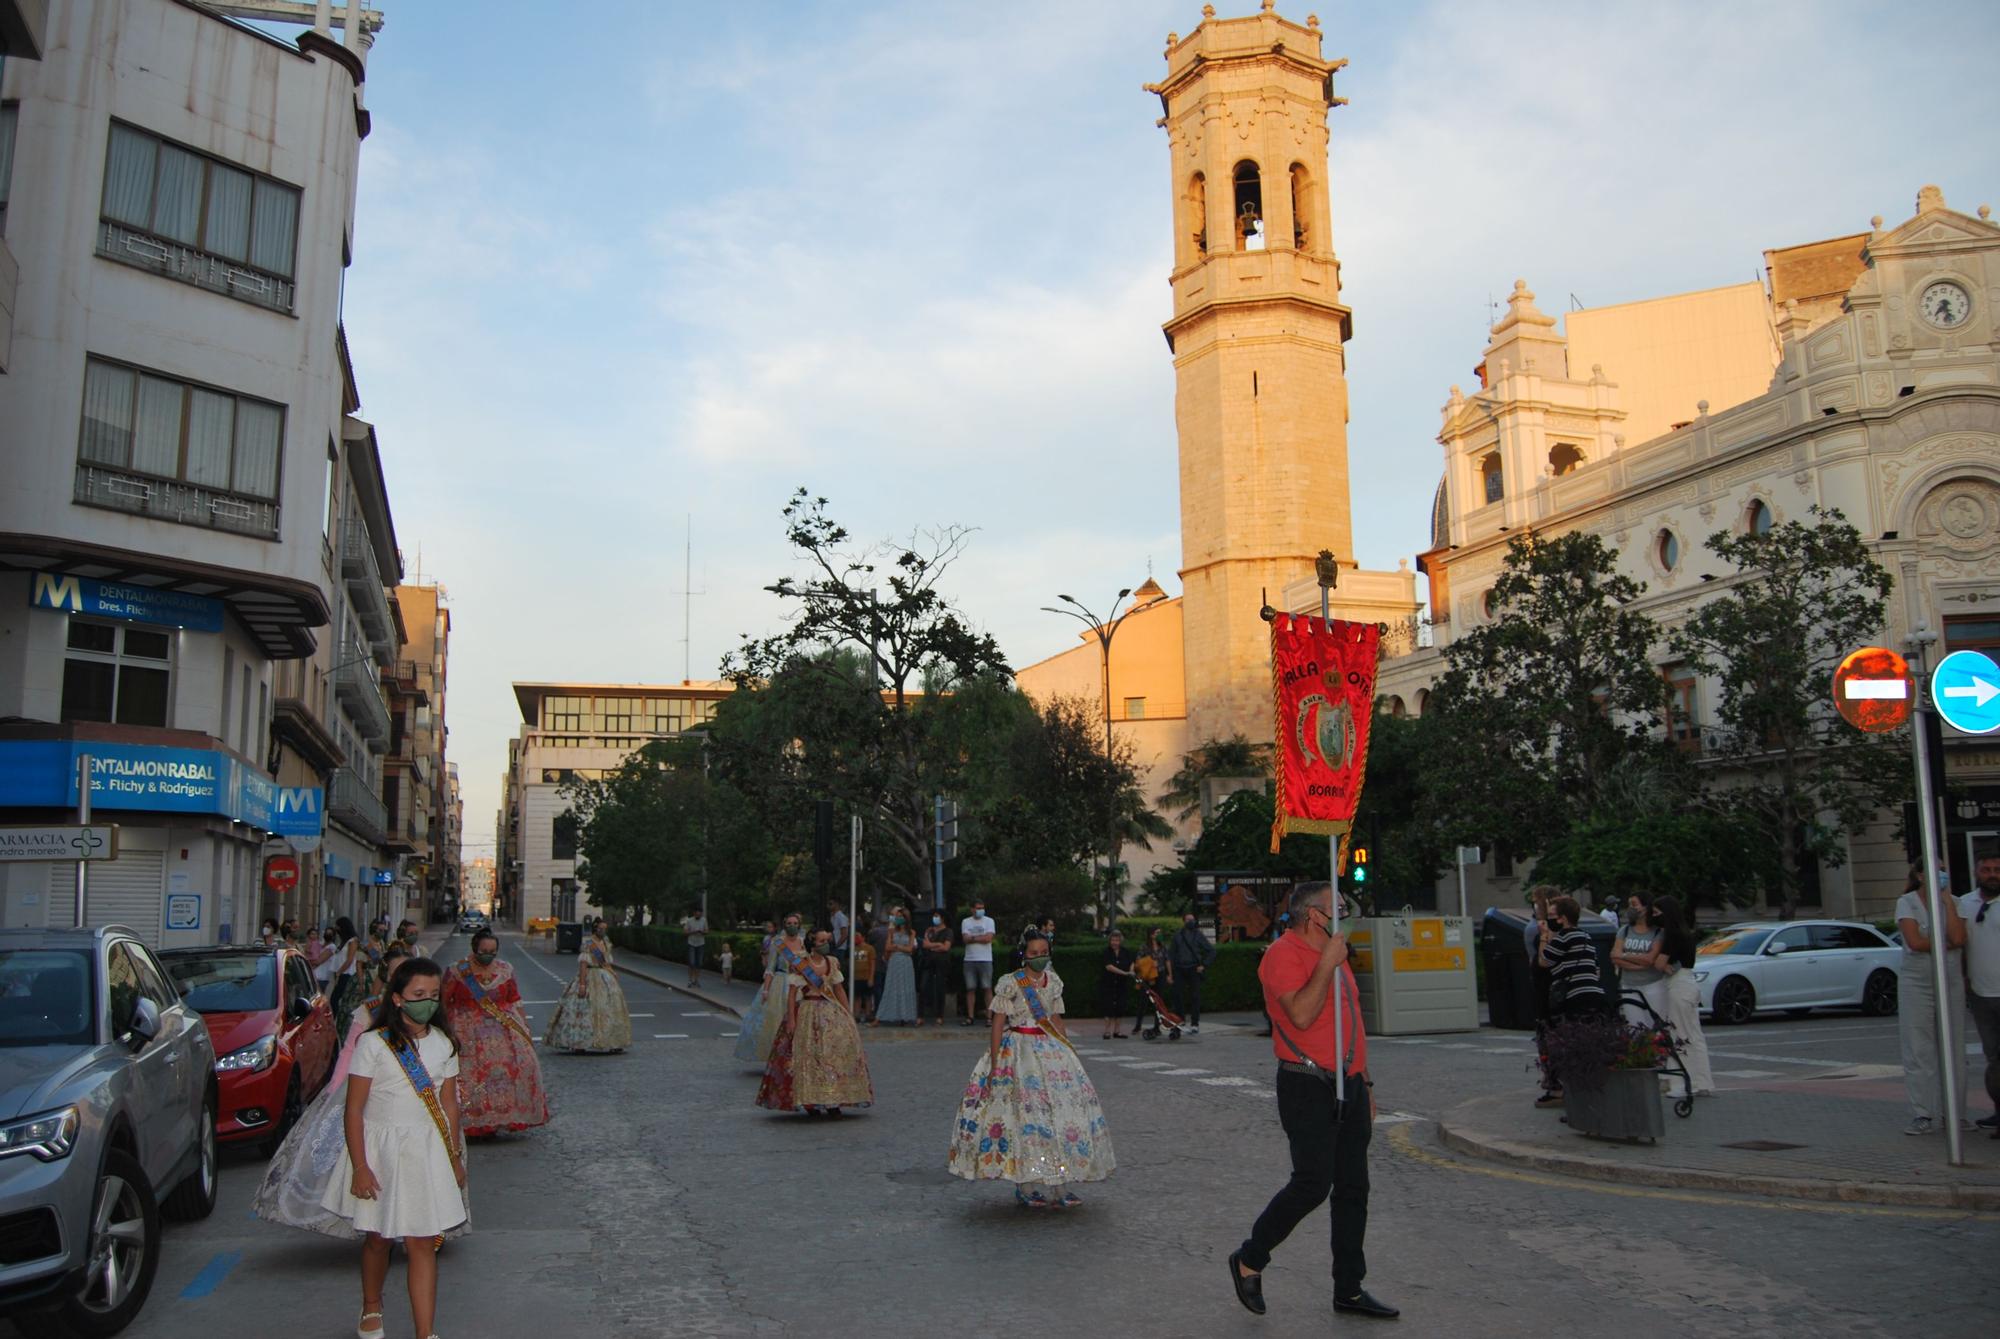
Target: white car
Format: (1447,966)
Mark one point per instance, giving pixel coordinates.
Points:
(1797,966)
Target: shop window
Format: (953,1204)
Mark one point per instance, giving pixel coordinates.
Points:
(117,674)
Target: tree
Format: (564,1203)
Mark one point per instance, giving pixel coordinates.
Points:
(1394,820)
(1212,759)
(1803,597)
(1541,703)
(1237,838)
(896,740)
(637,829)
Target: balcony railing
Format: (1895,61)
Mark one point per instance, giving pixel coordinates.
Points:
(350,801)
(176,260)
(1406,636)
(364,588)
(172,500)
(354,683)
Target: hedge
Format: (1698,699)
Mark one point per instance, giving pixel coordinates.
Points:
(1230,985)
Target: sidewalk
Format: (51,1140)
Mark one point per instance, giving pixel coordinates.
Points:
(1836,1139)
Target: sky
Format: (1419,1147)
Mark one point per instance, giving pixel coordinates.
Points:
(635,270)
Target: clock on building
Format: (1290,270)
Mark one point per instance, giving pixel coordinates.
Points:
(1945,304)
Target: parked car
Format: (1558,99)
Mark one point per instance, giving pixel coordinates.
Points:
(107,1118)
(273,1032)
(1797,966)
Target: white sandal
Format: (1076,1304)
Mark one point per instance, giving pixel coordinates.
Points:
(363,1332)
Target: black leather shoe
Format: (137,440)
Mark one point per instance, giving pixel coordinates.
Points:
(1362,1304)
(1249,1291)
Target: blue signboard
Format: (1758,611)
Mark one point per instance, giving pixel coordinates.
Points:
(134,604)
(1966,690)
(339,867)
(301,812)
(41,773)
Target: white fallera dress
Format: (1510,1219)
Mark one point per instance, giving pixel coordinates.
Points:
(419,1196)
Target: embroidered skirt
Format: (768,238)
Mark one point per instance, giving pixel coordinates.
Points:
(816,1062)
(1033,1118)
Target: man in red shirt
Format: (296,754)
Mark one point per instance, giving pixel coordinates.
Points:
(1329,1137)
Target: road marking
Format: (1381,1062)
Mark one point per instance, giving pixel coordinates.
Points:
(1177,1073)
(1405,1143)
(1459,1046)
(1746,1073)
(1148,1064)
(1506,1050)
(1782,1060)
(638,1015)
(670,1036)
(1230,1081)
(1257,1092)
(1396,1117)
(697,1015)
(212,1274)
(730,1034)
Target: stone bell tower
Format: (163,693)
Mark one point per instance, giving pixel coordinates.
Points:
(1260,395)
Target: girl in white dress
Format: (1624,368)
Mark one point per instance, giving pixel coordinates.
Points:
(402,1173)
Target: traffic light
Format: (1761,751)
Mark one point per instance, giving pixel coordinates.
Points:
(1359,855)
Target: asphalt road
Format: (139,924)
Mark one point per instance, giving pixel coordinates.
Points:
(661,1202)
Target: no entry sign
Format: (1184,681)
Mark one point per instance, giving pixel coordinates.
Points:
(281,874)
(1873,691)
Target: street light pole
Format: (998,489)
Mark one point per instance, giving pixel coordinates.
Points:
(1104,629)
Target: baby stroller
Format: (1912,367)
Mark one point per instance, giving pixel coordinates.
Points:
(1163,1017)
(1671,1064)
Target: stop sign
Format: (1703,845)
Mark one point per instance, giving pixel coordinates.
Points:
(1873,690)
(281,874)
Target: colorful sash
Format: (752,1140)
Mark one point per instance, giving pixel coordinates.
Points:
(1037,1008)
(814,980)
(420,1079)
(486,1004)
(596,956)
(785,960)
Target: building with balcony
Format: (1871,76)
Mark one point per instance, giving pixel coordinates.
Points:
(178,190)
(1863,374)
(571,731)
(423,778)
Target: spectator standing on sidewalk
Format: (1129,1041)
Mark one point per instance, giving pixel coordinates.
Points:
(1980,911)
(1916,1002)
(977,932)
(864,975)
(1575,987)
(1191,953)
(1115,987)
(1635,956)
(1681,993)
(1531,934)
(836,919)
(725,961)
(695,927)
(933,970)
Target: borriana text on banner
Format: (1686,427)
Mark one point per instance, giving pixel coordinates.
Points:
(1324,674)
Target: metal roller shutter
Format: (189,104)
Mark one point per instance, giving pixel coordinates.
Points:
(128,891)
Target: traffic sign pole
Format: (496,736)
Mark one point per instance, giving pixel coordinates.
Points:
(83,819)
(1950,1057)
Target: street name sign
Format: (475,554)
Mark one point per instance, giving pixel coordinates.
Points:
(55,841)
(1966,689)
(1873,690)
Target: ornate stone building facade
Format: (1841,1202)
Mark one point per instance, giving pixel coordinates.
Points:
(1881,358)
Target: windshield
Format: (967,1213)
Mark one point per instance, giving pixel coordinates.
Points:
(226,983)
(45,998)
(1735,942)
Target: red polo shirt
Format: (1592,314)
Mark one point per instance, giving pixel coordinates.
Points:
(1288,965)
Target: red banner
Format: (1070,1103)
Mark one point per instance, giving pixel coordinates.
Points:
(1324,674)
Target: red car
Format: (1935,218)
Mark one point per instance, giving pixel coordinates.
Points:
(274,1049)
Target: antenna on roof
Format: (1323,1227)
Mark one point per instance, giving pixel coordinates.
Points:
(1574,305)
(688,592)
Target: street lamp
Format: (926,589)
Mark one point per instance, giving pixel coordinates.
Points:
(1104,629)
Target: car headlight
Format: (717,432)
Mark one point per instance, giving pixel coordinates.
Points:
(259,1054)
(1700,975)
(48,1136)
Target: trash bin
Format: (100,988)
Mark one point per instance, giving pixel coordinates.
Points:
(569,936)
(1415,974)
(1510,981)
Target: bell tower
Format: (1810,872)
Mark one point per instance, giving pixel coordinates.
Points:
(1260,398)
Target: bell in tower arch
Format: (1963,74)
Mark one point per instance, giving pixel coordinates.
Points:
(1249,207)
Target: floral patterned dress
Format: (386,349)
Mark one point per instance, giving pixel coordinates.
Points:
(1035,1116)
(591,1016)
(499,1078)
(816,1060)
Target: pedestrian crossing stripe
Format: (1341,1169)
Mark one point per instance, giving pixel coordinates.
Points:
(1231,1081)
(1178,1073)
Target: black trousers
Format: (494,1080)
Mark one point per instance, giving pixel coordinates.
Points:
(930,990)
(1187,994)
(1329,1166)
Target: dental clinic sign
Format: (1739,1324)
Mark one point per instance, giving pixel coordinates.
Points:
(133,604)
(41,773)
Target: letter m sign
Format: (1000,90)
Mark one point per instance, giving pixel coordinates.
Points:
(298,799)
(53,590)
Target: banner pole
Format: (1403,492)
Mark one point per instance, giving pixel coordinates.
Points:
(1333,864)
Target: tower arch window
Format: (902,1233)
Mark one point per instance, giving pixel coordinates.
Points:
(1491,483)
(1305,230)
(1195,224)
(1248,207)
(1564,458)
(1667,548)
(1757,519)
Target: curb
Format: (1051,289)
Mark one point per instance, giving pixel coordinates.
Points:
(687,990)
(1983,1199)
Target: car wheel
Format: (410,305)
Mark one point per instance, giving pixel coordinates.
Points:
(194,1197)
(1735,1000)
(1878,997)
(124,1251)
(295,1105)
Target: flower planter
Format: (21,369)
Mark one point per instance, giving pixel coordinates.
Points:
(1626,1106)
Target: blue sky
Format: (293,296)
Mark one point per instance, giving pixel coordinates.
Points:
(620,263)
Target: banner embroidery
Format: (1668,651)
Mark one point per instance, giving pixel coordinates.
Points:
(1323,677)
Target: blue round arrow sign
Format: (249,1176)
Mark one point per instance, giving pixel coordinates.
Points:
(1966,688)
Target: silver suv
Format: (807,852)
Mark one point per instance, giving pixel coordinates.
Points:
(107,1116)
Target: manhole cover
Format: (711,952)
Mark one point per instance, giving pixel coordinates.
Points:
(1763,1145)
